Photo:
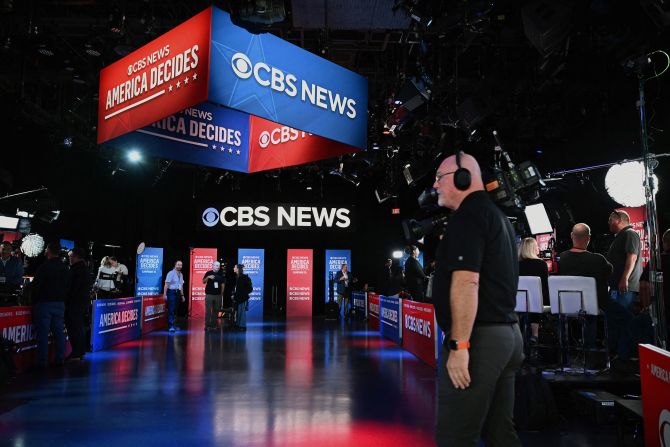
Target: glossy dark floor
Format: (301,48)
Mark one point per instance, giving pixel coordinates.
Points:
(300,383)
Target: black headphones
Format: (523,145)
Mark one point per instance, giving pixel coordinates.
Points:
(462,177)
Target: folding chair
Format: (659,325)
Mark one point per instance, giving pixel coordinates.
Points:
(575,296)
(529,300)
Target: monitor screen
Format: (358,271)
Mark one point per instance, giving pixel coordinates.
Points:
(538,220)
(66,244)
(9,223)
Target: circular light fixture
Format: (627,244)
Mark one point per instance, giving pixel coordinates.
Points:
(625,183)
(134,156)
(32,245)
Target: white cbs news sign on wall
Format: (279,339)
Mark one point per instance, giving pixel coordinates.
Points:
(276,217)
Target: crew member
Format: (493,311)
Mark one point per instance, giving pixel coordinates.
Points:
(343,279)
(624,255)
(415,278)
(531,265)
(215,284)
(174,289)
(78,300)
(11,267)
(49,294)
(578,261)
(243,287)
(474,295)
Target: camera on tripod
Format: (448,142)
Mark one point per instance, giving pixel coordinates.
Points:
(510,186)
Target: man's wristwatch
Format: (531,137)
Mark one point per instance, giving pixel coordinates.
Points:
(456,345)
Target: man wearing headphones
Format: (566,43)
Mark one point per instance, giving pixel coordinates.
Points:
(474,294)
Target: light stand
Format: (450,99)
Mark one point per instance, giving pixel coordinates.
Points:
(650,163)
(655,276)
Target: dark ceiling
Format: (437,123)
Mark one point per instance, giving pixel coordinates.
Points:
(549,75)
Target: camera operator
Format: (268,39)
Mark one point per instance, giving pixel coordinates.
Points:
(474,295)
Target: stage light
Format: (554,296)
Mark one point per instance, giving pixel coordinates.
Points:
(44,50)
(32,245)
(20,213)
(134,156)
(625,183)
(397,254)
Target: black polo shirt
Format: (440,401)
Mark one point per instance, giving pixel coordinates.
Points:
(479,238)
(214,286)
(627,241)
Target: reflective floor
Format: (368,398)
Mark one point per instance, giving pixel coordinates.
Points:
(300,383)
(297,383)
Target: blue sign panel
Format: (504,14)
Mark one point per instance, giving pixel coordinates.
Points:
(204,134)
(253,260)
(390,317)
(266,76)
(149,272)
(116,321)
(359,302)
(334,261)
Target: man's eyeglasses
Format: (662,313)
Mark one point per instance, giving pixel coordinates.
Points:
(438,176)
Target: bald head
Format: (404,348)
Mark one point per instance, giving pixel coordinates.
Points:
(447,194)
(581,236)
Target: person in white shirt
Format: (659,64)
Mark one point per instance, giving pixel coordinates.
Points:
(121,279)
(104,283)
(174,288)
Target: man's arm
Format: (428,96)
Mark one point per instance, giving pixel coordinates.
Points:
(167,282)
(631,258)
(464,300)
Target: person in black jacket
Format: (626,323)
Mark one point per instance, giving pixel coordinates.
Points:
(385,277)
(243,288)
(78,300)
(531,265)
(397,283)
(578,261)
(415,279)
(344,280)
(50,289)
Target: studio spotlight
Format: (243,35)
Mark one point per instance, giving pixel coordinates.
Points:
(134,156)
(397,254)
(32,245)
(625,183)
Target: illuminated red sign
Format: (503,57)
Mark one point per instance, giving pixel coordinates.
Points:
(299,289)
(273,145)
(163,77)
(201,262)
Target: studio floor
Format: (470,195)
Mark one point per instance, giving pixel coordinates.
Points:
(301,383)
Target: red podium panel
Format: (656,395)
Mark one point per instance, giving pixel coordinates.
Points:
(299,282)
(201,262)
(655,379)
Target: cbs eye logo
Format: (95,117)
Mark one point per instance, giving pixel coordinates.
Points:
(241,65)
(210,217)
(264,139)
